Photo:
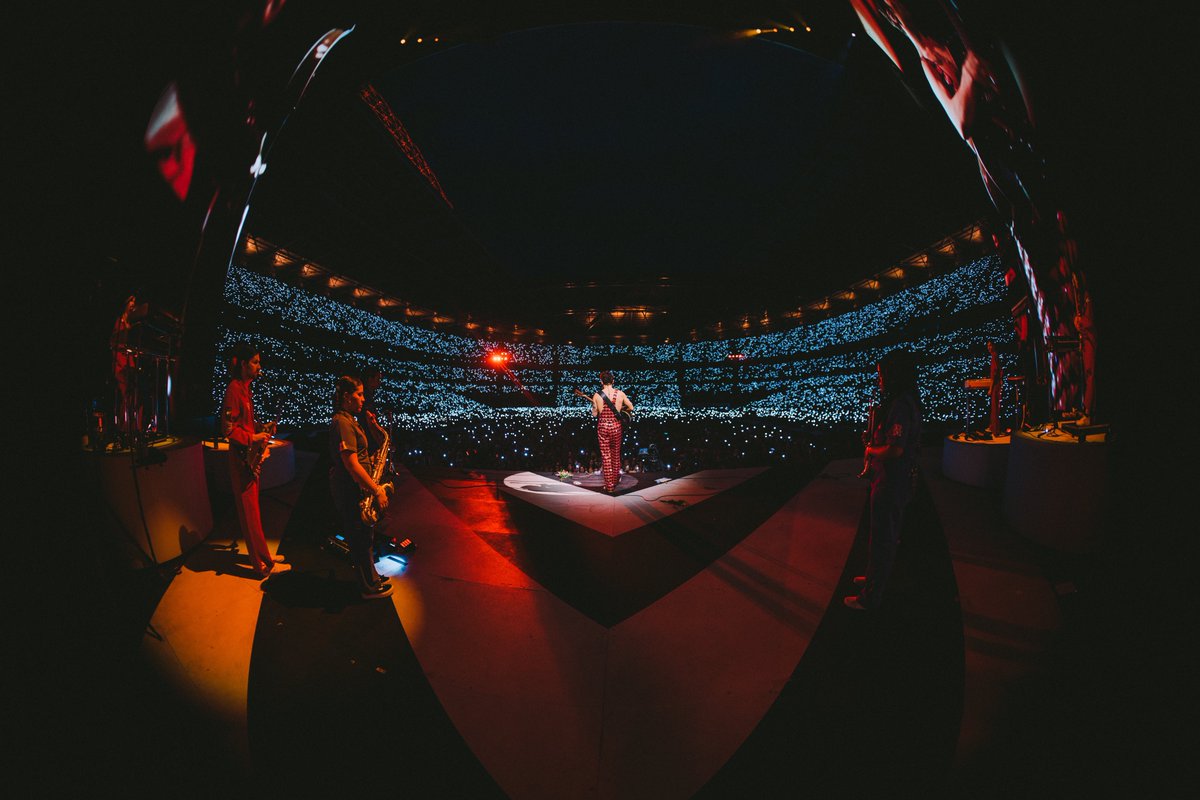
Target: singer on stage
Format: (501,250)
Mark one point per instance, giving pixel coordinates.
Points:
(605,405)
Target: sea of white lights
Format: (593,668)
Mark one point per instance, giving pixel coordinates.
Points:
(816,375)
(545,441)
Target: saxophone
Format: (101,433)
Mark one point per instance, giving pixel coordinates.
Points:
(367,510)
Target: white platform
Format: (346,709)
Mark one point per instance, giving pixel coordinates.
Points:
(279,468)
(170,495)
(1055,492)
(981,462)
(615,515)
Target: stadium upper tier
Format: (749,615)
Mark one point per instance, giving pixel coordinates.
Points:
(820,373)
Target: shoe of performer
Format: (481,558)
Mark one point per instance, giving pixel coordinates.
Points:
(852,602)
(860,580)
(376,592)
(275,569)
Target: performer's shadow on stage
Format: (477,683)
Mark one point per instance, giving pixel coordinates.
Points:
(318,588)
(594,481)
(547,487)
(220,559)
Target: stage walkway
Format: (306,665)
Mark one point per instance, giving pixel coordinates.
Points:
(685,639)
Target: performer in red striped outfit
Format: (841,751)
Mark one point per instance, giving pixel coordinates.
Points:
(609,430)
(239,427)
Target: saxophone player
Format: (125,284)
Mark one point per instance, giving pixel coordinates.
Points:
(349,480)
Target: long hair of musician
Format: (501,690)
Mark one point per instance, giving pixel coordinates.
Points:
(899,369)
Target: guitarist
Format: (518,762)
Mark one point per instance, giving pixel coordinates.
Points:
(893,444)
(246,437)
(606,404)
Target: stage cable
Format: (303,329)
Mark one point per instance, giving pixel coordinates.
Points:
(137,490)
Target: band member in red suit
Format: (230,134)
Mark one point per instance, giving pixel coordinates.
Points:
(243,433)
(124,369)
(609,430)
(996,376)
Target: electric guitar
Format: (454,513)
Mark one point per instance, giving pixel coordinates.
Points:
(257,453)
(866,439)
(622,414)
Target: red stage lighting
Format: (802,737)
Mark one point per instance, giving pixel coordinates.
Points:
(499,358)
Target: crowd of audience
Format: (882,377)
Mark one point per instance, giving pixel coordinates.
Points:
(669,444)
(456,409)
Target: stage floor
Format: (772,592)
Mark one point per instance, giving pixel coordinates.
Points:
(684,638)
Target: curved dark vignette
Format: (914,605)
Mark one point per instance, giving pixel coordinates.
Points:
(875,703)
(337,697)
